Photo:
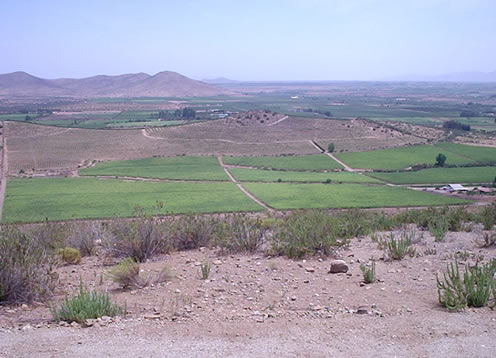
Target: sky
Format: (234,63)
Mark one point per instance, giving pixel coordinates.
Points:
(256,40)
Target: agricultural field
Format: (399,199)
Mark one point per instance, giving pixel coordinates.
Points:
(468,175)
(258,175)
(284,196)
(477,153)
(317,162)
(401,158)
(33,200)
(178,168)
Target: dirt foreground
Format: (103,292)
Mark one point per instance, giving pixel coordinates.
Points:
(256,306)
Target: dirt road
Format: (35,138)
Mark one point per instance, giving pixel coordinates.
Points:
(241,187)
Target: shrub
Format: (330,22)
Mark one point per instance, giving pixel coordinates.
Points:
(397,249)
(205,270)
(307,232)
(84,236)
(368,272)
(473,291)
(69,255)
(126,273)
(26,268)
(139,239)
(487,216)
(240,233)
(438,229)
(193,231)
(86,305)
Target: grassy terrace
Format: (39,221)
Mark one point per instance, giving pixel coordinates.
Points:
(296,196)
(400,158)
(317,162)
(259,175)
(177,168)
(467,175)
(32,200)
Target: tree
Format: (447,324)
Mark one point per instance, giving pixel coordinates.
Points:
(330,147)
(440,160)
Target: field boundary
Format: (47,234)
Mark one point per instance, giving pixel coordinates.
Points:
(320,149)
(241,187)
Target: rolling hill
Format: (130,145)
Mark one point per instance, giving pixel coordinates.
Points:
(162,84)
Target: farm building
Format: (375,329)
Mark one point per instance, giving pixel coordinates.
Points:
(454,187)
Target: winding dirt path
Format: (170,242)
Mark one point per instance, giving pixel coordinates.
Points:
(346,167)
(241,187)
(5,169)
(278,121)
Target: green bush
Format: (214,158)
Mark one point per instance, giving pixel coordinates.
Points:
(86,305)
(26,267)
(487,216)
(473,291)
(438,229)
(126,273)
(305,233)
(69,255)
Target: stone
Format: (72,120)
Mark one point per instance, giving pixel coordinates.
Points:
(309,269)
(338,266)
(217,262)
(362,310)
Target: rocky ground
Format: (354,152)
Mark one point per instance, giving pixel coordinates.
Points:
(254,306)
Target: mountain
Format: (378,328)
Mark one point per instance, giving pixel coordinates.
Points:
(220,81)
(163,84)
(473,76)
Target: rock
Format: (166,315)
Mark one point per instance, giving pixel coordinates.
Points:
(27,327)
(217,262)
(362,310)
(293,298)
(338,266)
(24,306)
(309,269)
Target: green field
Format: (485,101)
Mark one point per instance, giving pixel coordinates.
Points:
(259,175)
(177,168)
(469,175)
(400,158)
(320,196)
(477,153)
(32,200)
(300,162)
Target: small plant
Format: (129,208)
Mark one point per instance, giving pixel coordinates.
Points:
(328,181)
(473,291)
(86,305)
(164,275)
(368,272)
(205,270)
(430,251)
(489,239)
(69,255)
(330,147)
(397,249)
(126,274)
(438,229)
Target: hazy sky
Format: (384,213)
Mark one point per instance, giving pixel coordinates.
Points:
(248,40)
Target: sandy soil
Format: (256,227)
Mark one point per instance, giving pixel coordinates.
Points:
(254,306)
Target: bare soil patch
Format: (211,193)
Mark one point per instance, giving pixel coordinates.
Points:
(254,305)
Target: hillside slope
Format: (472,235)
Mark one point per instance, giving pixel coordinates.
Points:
(163,84)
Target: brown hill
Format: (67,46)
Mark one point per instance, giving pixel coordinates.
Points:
(163,84)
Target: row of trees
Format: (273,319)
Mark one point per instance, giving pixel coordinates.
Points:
(186,113)
(452,124)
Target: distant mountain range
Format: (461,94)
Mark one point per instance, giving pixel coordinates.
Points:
(220,81)
(450,77)
(163,84)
